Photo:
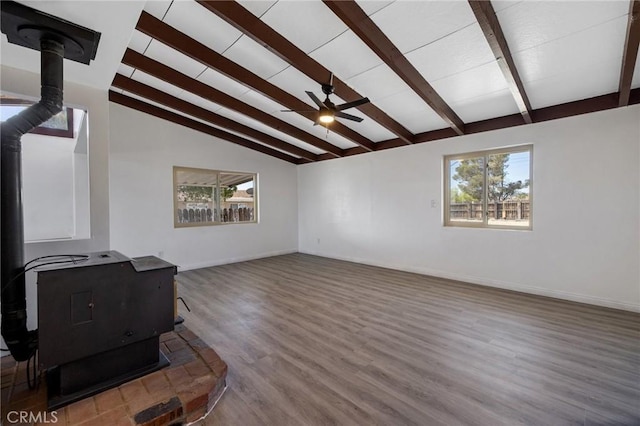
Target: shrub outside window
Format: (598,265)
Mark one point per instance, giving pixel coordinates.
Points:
(205,197)
(491,189)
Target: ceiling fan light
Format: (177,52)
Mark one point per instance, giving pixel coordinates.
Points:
(326,117)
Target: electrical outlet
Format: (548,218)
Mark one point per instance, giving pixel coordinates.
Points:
(434,204)
(318,240)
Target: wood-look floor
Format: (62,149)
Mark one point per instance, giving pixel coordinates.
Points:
(316,341)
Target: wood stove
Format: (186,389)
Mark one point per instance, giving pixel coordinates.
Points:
(100,320)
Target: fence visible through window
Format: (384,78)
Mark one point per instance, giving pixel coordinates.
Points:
(512,212)
(241,214)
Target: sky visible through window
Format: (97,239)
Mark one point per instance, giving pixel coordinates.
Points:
(518,169)
(8,111)
(246,185)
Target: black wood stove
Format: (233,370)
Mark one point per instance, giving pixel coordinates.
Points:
(100,321)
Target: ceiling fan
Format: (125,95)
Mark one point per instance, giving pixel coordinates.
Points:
(327,110)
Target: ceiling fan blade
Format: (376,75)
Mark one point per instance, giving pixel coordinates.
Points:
(347,116)
(352,104)
(315,99)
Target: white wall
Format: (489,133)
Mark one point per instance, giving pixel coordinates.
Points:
(97,104)
(591,253)
(144,150)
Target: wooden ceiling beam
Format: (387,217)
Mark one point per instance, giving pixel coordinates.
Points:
(486,17)
(181,120)
(169,75)
(569,109)
(155,28)
(158,96)
(634,98)
(358,21)
(245,21)
(631,43)
(355,151)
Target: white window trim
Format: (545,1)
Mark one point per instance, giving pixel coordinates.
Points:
(177,224)
(485,222)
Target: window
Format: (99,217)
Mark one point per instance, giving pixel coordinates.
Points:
(211,197)
(55,173)
(489,189)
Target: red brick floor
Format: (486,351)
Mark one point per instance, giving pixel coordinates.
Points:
(181,393)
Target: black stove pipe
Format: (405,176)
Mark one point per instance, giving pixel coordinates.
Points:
(21,342)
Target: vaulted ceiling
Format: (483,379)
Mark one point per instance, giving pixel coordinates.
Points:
(432,69)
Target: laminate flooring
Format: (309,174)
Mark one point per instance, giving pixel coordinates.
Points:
(316,341)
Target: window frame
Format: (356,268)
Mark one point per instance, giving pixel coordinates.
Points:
(217,199)
(484,224)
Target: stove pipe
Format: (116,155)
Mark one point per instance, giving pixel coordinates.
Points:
(21,342)
(56,39)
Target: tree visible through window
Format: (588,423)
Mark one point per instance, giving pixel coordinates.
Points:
(490,188)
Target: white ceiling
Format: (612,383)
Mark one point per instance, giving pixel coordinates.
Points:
(562,56)
(115,20)
(563,50)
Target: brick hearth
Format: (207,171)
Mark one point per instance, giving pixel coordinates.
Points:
(181,393)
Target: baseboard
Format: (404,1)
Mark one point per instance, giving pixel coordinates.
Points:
(226,261)
(556,294)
